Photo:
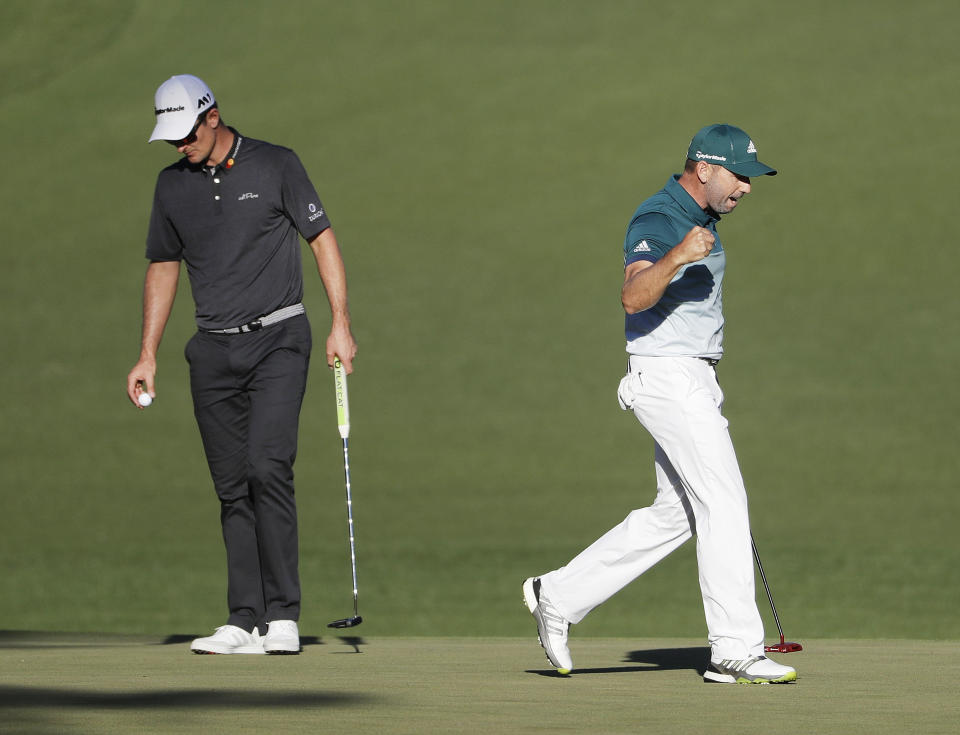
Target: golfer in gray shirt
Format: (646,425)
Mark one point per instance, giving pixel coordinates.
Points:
(233,209)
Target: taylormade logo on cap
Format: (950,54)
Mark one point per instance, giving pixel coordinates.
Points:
(169,109)
(177,103)
(730,147)
(702,156)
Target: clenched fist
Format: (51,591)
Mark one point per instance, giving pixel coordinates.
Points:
(695,245)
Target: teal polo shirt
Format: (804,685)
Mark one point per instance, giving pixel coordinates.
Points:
(687,321)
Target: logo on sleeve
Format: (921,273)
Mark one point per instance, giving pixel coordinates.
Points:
(642,247)
(315,213)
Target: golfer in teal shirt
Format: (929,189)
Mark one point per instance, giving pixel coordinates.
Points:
(687,321)
(671,295)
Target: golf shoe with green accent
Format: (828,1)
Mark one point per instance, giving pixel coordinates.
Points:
(755,670)
(552,628)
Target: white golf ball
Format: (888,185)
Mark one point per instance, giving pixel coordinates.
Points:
(145,399)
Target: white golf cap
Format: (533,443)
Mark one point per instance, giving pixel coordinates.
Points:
(177,104)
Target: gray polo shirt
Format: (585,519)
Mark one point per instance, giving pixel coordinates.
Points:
(687,321)
(236,227)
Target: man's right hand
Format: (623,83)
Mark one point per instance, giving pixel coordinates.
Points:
(696,245)
(141,380)
(159,291)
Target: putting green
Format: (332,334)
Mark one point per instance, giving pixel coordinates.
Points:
(480,161)
(70,683)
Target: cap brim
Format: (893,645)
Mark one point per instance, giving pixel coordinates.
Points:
(173,128)
(751,168)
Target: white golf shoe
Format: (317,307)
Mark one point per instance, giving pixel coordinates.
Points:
(755,670)
(552,628)
(283,636)
(229,639)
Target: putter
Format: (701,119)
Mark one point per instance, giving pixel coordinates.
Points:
(783,646)
(343,424)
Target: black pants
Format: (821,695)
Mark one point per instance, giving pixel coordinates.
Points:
(247,392)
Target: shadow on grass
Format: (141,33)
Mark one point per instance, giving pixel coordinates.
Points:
(305,640)
(11,639)
(657,659)
(21,697)
(352,641)
(34,639)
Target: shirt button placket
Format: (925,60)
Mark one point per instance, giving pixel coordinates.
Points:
(217,206)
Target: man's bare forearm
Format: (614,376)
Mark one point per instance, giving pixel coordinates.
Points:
(340,343)
(644,282)
(159,292)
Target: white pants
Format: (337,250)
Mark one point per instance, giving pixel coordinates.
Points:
(699,491)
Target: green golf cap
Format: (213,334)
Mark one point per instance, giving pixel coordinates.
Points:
(730,147)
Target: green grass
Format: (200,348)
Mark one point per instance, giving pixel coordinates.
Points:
(480,162)
(103,684)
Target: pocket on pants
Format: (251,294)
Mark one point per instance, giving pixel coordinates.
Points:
(186,348)
(627,391)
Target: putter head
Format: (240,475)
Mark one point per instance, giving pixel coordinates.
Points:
(784,647)
(352,622)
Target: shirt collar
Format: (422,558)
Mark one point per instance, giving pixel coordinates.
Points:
(681,196)
(233,155)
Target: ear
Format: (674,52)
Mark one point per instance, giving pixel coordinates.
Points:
(704,171)
(213,118)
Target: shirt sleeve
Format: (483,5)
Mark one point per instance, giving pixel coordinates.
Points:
(647,238)
(163,240)
(301,201)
